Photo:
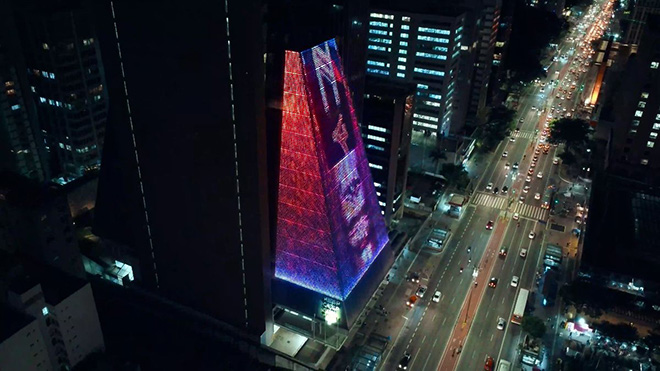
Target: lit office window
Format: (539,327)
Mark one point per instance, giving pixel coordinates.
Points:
(641,104)
(375,63)
(656,126)
(639,113)
(433,39)
(381,16)
(376,138)
(399,67)
(380,40)
(655,65)
(434,30)
(644,161)
(377,71)
(403,51)
(405,19)
(378,24)
(405,27)
(422,86)
(402,59)
(431,103)
(430,55)
(377,128)
(404,35)
(650,144)
(635,123)
(376,47)
(427,71)
(376,148)
(435,96)
(440,49)
(645,95)
(653,135)
(401,75)
(425,117)
(378,32)
(403,43)
(375,166)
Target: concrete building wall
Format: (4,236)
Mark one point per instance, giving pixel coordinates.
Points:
(25,350)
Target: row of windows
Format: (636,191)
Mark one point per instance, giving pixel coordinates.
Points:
(429,72)
(430,55)
(431,103)
(374,147)
(377,47)
(380,24)
(425,125)
(380,40)
(425,117)
(378,32)
(434,30)
(433,39)
(375,63)
(376,138)
(378,72)
(377,128)
(376,166)
(381,16)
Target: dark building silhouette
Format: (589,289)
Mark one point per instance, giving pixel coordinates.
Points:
(182,191)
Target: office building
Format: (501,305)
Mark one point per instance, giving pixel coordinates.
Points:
(66,84)
(21,145)
(637,20)
(636,113)
(386,133)
(182,190)
(58,325)
(332,247)
(423,47)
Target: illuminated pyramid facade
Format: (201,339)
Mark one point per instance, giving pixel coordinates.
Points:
(329,227)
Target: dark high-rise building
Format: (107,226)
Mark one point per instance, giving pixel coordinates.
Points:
(386,133)
(182,188)
(60,63)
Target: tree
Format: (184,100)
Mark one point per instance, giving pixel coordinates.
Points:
(534,326)
(570,131)
(619,331)
(456,175)
(500,123)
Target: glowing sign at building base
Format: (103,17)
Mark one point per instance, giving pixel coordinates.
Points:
(329,225)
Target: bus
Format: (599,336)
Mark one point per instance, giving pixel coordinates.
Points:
(519,309)
(504,365)
(547,197)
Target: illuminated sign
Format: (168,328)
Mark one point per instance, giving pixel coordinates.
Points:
(329,227)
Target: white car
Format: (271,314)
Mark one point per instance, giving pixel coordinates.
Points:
(523,253)
(539,175)
(507,166)
(489,186)
(526,189)
(537,196)
(505,153)
(532,235)
(516,216)
(555,161)
(501,323)
(514,281)
(528,179)
(436,296)
(421,291)
(512,139)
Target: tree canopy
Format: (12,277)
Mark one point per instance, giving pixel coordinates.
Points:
(534,326)
(500,123)
(570,131)
(456,175)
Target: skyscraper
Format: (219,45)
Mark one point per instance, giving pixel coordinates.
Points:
(386,133)
(183,187)
(331,236)
(64,73)
(422,47)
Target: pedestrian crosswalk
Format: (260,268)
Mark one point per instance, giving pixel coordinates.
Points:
(525,134)
(530,211)
(490,200)
(502,202)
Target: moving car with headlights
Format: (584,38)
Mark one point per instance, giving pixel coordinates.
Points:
(403,363)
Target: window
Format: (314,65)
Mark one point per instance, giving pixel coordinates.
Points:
(378,24)
(402,59)
(378,185)
(435,96)
(653,135)
(376,148)
(433,39)
(429,55)
(403,51)
(645,95)
(377,128)
(44,311)
(655,65)
(650,144)
(403,43)
(425,125)
(400,67)
(15,107)
(641,104)
(431,103)
(378,32)
(377,71)
(375,63)
(644,161)
(376,47)
(425,117)
(405,19)
(422,86)
(429,72)
(380,40)
(635,123)
(639,113)
(45,46)
(434,30)
(405,27)
(376,138)
(381,16)
(376,166)
(42,99)
(440,49)
(401,75)
(656,126)
(632,132)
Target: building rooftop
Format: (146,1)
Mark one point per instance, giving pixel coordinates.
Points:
(12,321)
(55,284)
(429,8)
(630,213)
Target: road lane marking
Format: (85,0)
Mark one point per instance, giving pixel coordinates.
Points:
(491,337)
(444,320)
(434,317)
(423,340)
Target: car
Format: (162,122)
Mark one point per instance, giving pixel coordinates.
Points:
(436,296)
(528,179)
(537,196)
(514,281)
(496,190)
(526,189)
(530,171)
(501,323)
(490,363)
(523,253)
(533,108)
(521,120)
(512,139)
(521,199)
(505,189)
(413,277)
(531,235)
(489,225)
(516,216)
(403,363)
(507,166)
(421,290)
(411,301)
(517,130)
(503,251)
(539,175)
(489,186)
(505,154)
(533,164)
(493,282)
(514,166)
